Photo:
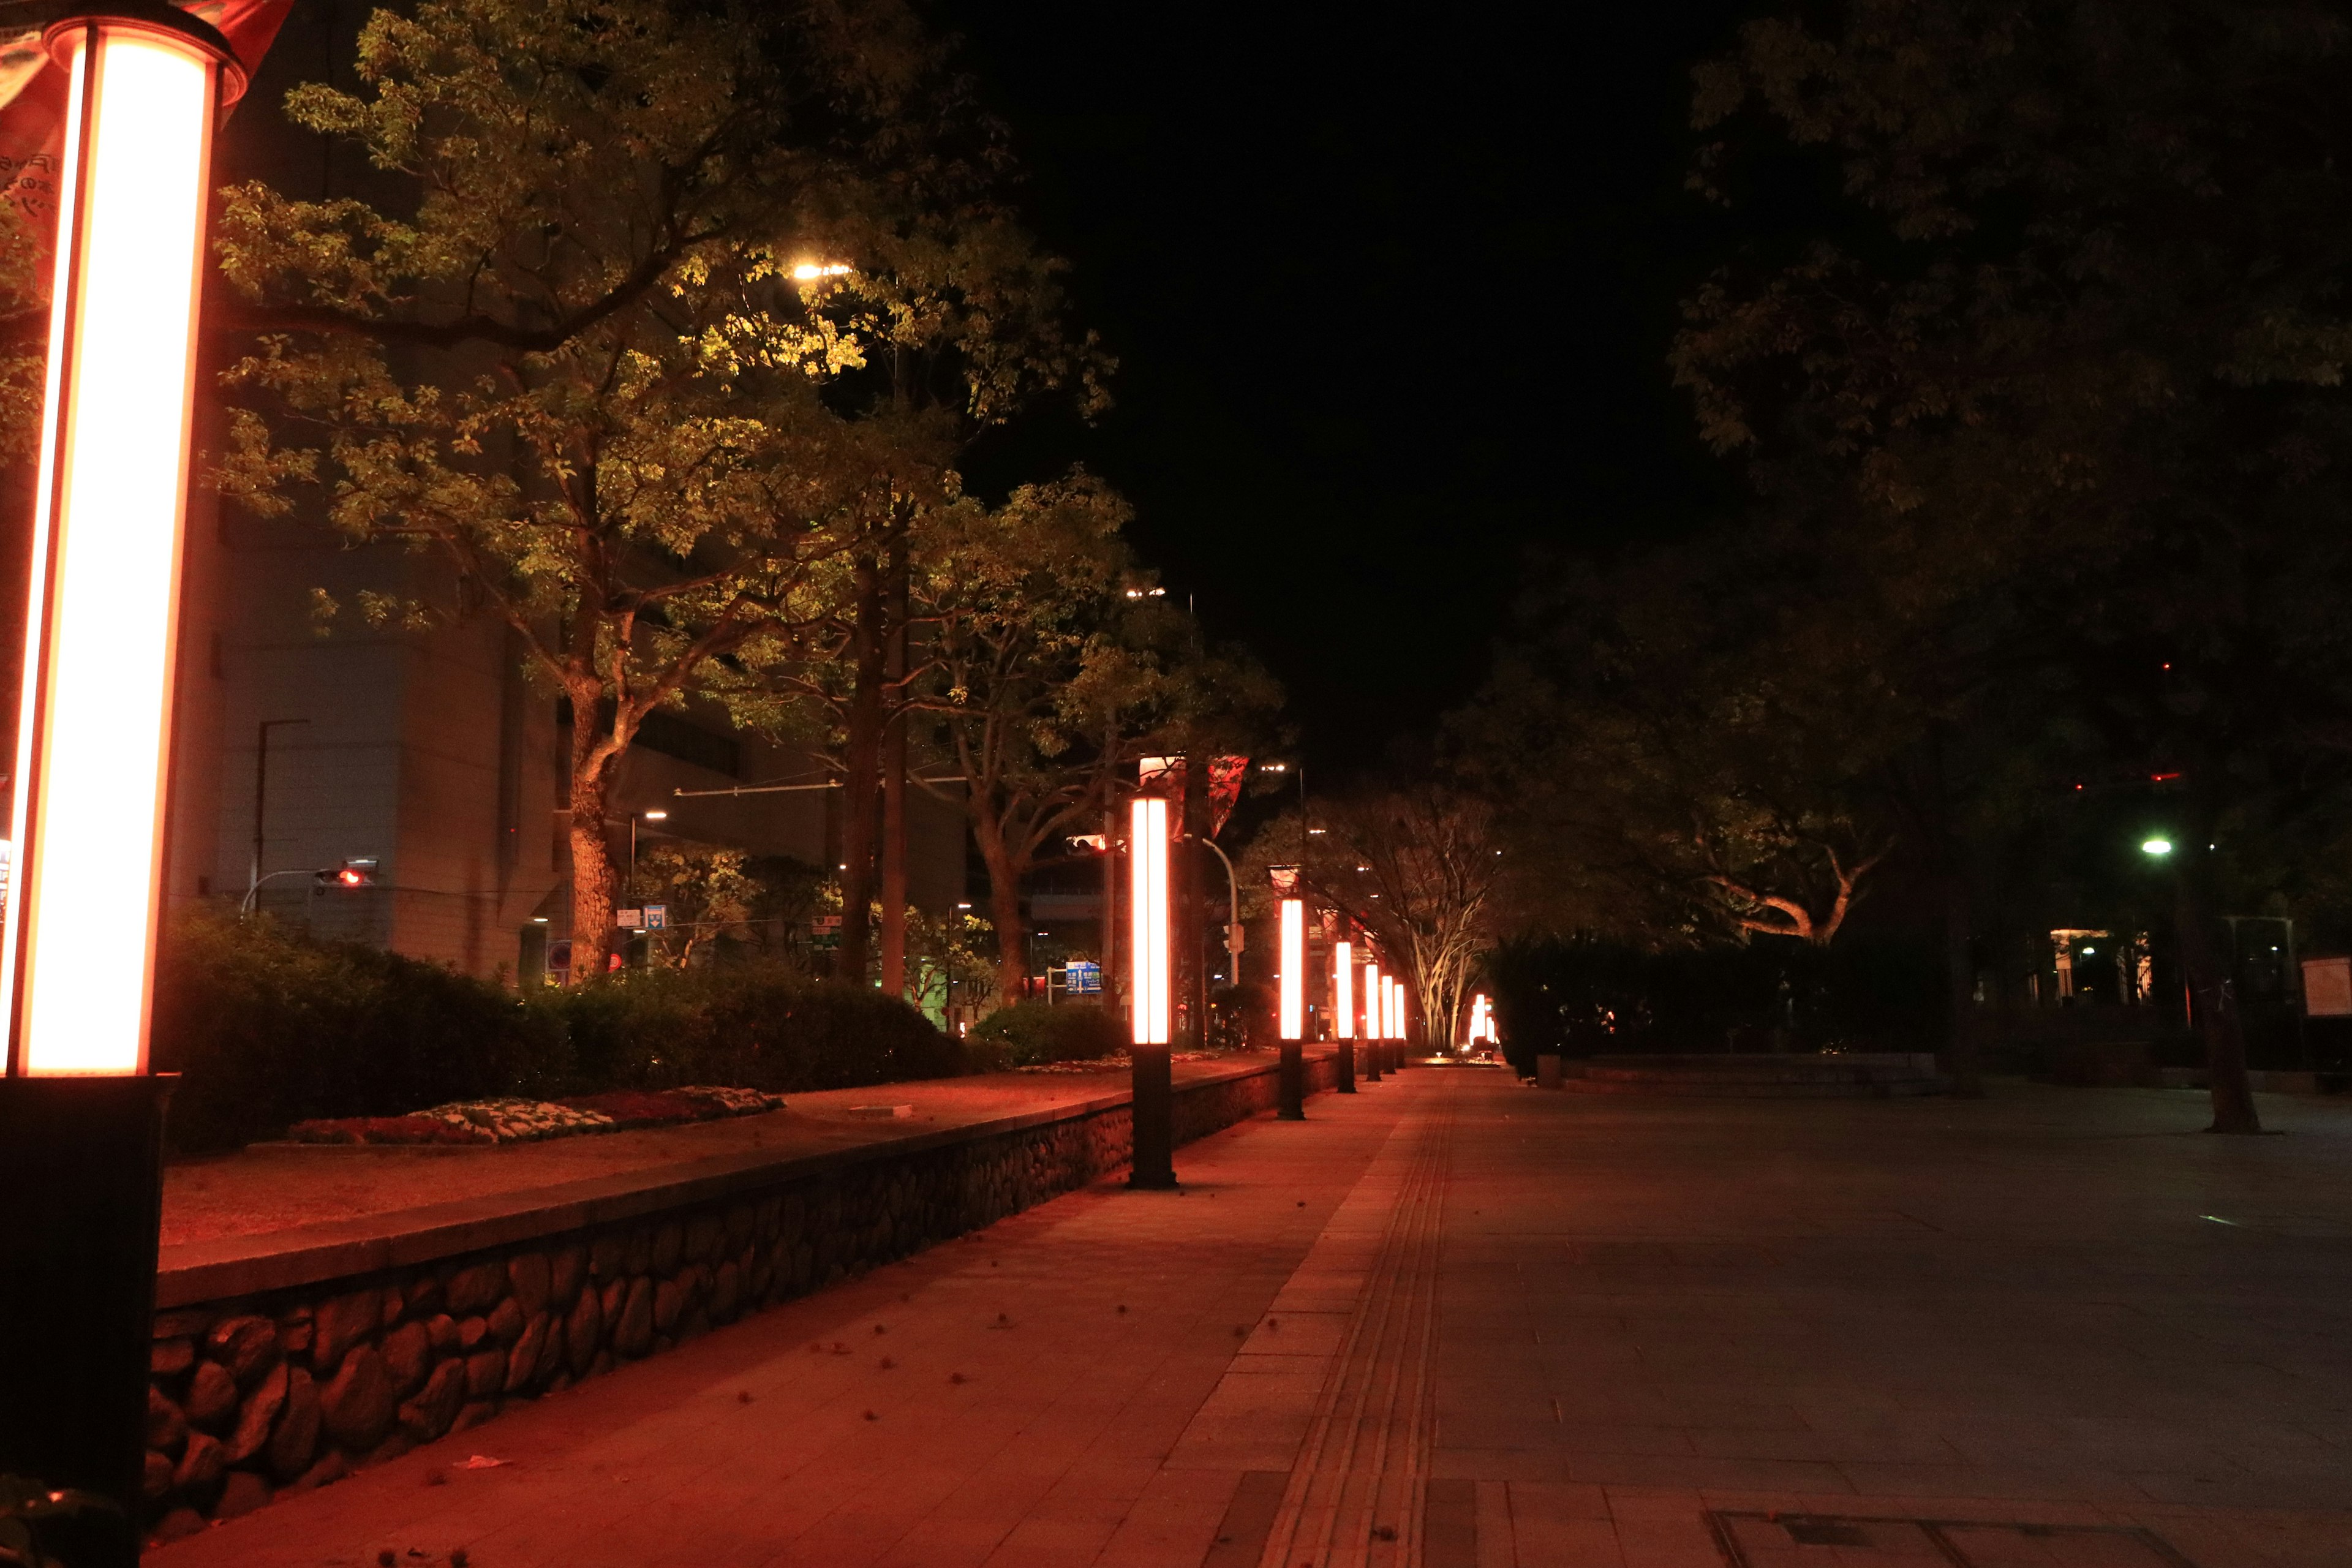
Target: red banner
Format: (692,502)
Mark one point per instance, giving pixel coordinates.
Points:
(33,102)
(1226,775)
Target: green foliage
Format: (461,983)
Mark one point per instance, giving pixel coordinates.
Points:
(267,1028)
(1032,1033)
(751,1026)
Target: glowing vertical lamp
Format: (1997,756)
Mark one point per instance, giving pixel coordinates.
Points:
(1148,949)
(80,1120)
(1343,1011)
(1290,1010)
(1150,990)
(1294,969)
(1374,1061)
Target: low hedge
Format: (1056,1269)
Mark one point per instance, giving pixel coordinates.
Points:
(1031,1034)
(268,1028)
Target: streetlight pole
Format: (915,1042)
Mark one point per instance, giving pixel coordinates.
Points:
(1343,1011)
(81,1114)
(1291,983)
(1233,917)
(1151,1108)
(261,797)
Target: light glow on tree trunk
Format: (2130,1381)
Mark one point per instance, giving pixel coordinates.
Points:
(94,738)
(1148,952)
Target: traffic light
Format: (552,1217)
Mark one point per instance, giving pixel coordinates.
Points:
(357,872)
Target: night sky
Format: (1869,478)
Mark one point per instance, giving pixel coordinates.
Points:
(1391,298)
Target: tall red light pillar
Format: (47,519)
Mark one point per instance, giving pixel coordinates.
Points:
(1150,986)
(1343,1011)
(1291,1017)
(80,1114)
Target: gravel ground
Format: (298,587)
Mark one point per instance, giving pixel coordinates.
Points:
(270,1189)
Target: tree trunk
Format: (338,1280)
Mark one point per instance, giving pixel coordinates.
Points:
(591,861)
(894,779)
(1003,902)
(1963,1053)
(2209,983)
(861,767)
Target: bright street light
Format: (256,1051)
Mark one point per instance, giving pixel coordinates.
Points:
(810,271)
(2158,846)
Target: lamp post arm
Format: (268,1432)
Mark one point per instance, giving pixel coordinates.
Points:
(245,906)
(1234,910)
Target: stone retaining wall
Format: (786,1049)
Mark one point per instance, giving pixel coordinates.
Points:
(280,1390)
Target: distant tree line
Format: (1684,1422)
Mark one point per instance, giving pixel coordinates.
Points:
(2033,355)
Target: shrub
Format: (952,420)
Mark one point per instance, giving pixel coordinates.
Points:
(1030,1034)
(267,1028)
(755,1025)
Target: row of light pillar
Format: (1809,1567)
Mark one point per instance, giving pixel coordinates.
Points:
(1151,971)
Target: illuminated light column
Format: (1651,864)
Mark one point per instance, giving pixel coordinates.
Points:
(1290,1017)
(1152,1112)
(1343,1011)
(1147,950)
(81,1118)
(1373,1059)
(1391,1015)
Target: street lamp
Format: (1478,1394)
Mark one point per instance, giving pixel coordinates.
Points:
(1291,990)
(1152,1107)
(80,1116)
(1343,1011)
(1374,1057)
(2158,847)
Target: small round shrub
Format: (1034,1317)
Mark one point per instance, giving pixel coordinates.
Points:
(1031,1034)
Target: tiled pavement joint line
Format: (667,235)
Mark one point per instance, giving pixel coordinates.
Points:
(1378,1393)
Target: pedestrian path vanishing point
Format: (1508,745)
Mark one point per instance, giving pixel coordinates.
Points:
(1454,1323)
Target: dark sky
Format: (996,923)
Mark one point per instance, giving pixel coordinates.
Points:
(1391,298)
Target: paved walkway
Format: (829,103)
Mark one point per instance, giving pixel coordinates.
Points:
(1455,1324)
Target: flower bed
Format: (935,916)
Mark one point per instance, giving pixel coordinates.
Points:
(1119,1061)
(490,1121)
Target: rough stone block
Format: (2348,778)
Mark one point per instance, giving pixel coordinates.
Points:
(567,1272)
(180,1321)
(669,1305)
(529,1279)
(441,1329)
(583,1331)
(428,1415)
(245,1492)
(704,1235)
(634,1331)
(212,1396)
(155,1480)
(669,1246)
(246,1345)
(169,1358)
(200,1467)
(424,1294)
(258,1415)
(407,1357)
(726,1292)
(523,1361)
(295,1442)
(608,1256)
(506,1322)
(351,1319)
(392,1306)
(358,1404)
(167,1427)
(475,1289)
(474,1414)
(471,1333)
(486,1372)
(614,1292)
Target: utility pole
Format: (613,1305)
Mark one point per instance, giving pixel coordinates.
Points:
(261,796)
(894,777)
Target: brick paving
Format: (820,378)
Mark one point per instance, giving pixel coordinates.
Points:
(1453,1322)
